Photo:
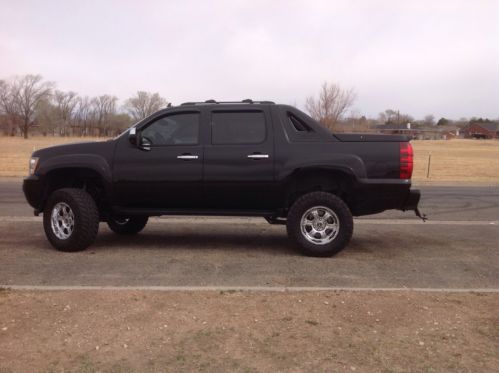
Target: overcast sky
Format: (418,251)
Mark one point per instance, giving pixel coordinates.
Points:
(420,57)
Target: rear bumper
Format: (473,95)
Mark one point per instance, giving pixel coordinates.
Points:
(412,201)
(381,195)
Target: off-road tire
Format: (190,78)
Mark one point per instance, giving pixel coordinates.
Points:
(86,219)
(331,201)
(133,225)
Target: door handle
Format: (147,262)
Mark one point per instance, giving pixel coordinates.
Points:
(187,156)
(258,156)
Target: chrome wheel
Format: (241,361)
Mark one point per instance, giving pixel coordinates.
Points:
(320,225)
(121,221)
(62,220)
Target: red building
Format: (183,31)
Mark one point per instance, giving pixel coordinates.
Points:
(481,131)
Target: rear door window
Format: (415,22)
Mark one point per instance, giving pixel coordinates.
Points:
(238,127)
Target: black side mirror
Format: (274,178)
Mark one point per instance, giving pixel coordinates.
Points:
(132,136)
(137,140)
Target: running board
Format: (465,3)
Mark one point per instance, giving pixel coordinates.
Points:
(132,211)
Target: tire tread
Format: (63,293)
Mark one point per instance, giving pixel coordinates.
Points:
(313,199)
(86,219)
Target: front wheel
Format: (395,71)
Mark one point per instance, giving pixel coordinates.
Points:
(320,223)
(71,219)
(130,225)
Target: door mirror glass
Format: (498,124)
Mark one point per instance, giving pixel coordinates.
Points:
(145,142)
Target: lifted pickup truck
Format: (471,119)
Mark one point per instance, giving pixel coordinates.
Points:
(248,158)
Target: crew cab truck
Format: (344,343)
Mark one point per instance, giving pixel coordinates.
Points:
(246,158)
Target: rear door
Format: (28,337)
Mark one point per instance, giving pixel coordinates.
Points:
(239,158)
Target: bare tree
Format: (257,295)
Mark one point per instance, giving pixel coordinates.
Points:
(355,122)
(4,96)
(27,92)
(84,115)
(65,103)
(388,116)
(331,105)
(394,118)
(7,107)
(144,104)
(47,118)
(104,107)
(118,123)
(429,120)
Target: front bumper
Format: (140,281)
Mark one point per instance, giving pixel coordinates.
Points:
(33,191)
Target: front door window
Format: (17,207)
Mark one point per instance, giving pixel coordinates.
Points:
(175,129)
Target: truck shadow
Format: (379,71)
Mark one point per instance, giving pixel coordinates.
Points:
(276,243)
(273,242)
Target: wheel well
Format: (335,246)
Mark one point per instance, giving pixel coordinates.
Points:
(82,178)
(336,182)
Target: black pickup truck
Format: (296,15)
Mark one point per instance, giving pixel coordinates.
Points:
(247,158)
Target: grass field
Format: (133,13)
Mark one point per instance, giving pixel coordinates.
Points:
(454,161)
(15,151)
(457,161)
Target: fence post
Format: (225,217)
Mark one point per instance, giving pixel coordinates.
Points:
(429,164)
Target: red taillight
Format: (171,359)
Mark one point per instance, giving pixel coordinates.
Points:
(406,160)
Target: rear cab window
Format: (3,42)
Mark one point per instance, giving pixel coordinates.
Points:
(297,124)
(297,128)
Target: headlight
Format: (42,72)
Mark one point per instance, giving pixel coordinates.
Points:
(33,163)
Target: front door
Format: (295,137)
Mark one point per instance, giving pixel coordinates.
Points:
(166,170)
(239,159)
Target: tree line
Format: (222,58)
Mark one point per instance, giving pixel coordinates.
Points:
(29,101)
(332,107)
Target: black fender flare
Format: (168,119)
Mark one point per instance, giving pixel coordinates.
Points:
(92,162)
(351,165)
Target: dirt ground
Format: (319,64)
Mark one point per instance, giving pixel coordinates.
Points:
(473,161)
(132,331)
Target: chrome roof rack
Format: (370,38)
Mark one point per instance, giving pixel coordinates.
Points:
(207,102)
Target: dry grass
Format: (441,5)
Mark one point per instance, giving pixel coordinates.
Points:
(15,151)
(451,161)
(457,161)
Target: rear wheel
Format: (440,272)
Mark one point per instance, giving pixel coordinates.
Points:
(127,225)
(320,223)
(71,219)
